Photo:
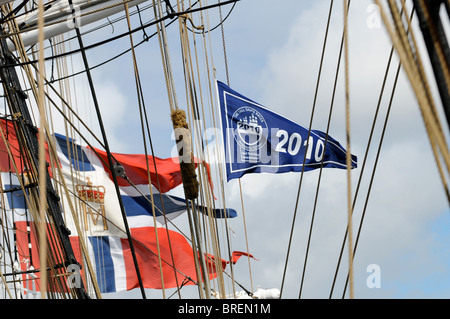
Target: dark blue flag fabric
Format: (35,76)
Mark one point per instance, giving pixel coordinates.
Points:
(257,140)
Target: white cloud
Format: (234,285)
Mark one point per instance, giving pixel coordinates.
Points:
(113,103)
(406,194)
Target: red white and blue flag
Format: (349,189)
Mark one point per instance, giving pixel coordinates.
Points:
(92,192)
(108,246)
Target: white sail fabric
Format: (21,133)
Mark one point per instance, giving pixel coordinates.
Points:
(61,12)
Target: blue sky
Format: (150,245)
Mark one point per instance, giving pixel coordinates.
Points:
(273,51)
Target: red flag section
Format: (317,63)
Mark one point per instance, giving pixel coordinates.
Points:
(164,172)
(28,254)
(9,144)
(165,176)
(111,255)
(8,133)
(177,259)
(238,254)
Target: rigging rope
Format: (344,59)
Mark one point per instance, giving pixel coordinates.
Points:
(239,180)
(202,152)
(365,158)
(191,101)
(100,43)
(219,172)
(32,207)
(412,65)
(140,101)
(373,172)
(62,182)
(111,165)
(328,125)
(348,153)
(182,135)
(304,159)
(142,109)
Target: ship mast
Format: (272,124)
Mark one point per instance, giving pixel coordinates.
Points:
(428,13)
(27,132)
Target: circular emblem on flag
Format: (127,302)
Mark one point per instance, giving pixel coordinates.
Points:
(249,127)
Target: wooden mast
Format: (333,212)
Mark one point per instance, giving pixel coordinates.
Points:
(28,136)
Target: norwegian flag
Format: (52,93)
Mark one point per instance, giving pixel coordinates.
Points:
(86,173)
(146,206)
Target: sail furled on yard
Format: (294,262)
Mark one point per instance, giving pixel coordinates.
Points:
(258,140)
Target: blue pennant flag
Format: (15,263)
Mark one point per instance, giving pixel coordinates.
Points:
(257,140)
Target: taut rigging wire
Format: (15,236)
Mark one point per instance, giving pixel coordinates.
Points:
(365,157)
(222,20)
(143,112)
(106,24)
(304,159)
(13,12)
(373,171)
